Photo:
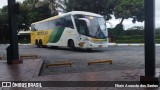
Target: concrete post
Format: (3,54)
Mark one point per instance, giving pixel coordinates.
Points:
(150,76)
(12,50)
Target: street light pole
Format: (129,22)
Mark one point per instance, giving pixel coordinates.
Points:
(12,50)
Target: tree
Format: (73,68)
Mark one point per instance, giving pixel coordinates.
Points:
(31,2)
(125,9)
(118,30)
(30,13)
(52,7)
(103,7)
(4,34)
(136,28)
(158,31)
(63,5)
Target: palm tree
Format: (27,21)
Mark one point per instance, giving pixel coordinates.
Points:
(59,5)
(52,6)
(55,6)
(62,5)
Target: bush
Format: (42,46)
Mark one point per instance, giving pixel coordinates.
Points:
(137,37)
(123,37)
(158,37)
(157,40)
(130,41)
(133,39)
(133,32)
(130,37)
(24,41)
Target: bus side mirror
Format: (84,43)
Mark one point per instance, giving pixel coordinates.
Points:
(86,20)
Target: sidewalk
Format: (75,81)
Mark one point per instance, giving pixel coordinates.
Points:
(30,68)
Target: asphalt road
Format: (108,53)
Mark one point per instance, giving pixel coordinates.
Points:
(123,57)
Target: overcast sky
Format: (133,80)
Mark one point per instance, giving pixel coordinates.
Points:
(127,23)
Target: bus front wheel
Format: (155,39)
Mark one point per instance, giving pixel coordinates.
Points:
(89,49)
(71,45)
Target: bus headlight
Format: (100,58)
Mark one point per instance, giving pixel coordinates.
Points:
(91,40)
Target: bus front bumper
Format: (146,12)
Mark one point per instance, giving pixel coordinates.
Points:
(92,45)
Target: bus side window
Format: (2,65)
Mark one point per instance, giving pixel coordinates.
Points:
(68,22)
(52,24)
(36,26)
(82,27)
(58,23)
(33,27)
(40,26)
(45,25)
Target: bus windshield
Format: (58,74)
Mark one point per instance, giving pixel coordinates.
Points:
(96,29)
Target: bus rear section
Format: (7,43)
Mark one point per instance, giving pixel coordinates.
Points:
(40,38)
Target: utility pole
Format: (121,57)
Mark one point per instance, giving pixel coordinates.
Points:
(12,50)
(150,76)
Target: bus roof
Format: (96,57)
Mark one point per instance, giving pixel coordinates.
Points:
(82,12)
(70,13)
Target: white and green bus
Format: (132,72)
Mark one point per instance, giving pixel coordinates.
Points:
(76,29)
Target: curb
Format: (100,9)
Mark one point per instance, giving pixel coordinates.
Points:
(110,44)
(24,44)
(114,44)
(18,44)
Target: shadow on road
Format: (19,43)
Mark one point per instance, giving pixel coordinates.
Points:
(77,49)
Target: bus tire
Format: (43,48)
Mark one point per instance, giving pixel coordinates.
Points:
(54,47)
(71,45)
(37,43)
(89,49)
(40,44)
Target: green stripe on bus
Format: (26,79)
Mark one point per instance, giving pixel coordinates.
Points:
(55,35)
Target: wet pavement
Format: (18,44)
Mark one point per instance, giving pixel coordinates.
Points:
(29,70)
(124,68)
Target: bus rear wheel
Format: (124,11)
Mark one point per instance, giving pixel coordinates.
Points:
(71,45)
(37,44)
(40,44)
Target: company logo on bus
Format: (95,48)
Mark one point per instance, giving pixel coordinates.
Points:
(42,33)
